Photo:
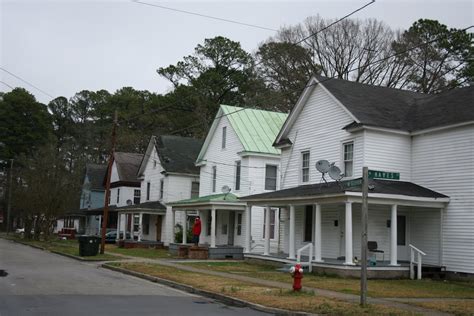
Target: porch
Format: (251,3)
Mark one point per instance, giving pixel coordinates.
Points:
(321,227)
(141,225)
(222,228)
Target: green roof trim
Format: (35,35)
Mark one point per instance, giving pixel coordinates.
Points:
(256,129)
(222,197)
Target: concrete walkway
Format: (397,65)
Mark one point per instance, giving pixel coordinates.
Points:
(390,302)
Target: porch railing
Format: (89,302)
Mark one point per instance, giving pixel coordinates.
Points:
(298,255)
(418,261)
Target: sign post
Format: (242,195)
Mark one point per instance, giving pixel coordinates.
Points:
(364,219)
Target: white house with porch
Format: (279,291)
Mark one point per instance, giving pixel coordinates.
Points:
(237,154)
(166,173)
(425,140)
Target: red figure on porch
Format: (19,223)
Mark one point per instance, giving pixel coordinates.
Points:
(297,274)
(196,231)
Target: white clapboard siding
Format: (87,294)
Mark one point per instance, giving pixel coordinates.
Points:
(318,128)
(388,152)
(444,161)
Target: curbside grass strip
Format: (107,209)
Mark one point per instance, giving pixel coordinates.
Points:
(219,297)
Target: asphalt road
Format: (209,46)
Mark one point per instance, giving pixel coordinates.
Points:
(41,283)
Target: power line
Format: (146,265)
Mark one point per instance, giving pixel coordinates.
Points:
(28,83)
(206,16)
(335,22)
(7,85)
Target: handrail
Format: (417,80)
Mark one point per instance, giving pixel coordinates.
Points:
(416,249)
(298,255)
(418,261)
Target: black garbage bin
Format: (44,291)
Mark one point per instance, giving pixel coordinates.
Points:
(88,245)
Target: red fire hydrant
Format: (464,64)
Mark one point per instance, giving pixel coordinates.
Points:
(297,274)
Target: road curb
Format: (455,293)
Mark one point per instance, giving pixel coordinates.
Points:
(219,297)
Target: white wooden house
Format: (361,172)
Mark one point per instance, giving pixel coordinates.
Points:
(237,153)
(428,140)
(165,173)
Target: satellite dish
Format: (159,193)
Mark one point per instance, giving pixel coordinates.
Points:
(129,202)
(335,173)
(323,166)
(225,189)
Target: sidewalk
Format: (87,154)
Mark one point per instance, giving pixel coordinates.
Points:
(390,302)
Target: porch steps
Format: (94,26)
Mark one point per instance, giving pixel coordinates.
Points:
(286,267)
(432,272)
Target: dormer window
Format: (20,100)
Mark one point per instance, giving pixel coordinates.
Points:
(224,136)
(348,159)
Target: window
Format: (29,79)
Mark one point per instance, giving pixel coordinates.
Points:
(270,177)
(109,200)
(194,189)
(239,224)
(118,196)
(154,164)
(308,224)
(136,196)
(146,224)
(136,222)
(305,166)
(224,135)
(401,230)
(148,187)
(348,159)
(162,188)
(272,223)
(237,175)
(214,178)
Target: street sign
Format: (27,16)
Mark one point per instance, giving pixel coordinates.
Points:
(375,174)
(352,183)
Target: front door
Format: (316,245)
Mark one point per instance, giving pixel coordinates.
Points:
(402,238)
(159,218)
(231,232)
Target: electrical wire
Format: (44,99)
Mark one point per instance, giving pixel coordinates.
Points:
(27,82)
(7,85)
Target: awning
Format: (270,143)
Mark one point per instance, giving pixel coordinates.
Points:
(218,201)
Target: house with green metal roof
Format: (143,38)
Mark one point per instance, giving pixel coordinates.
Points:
(237,159)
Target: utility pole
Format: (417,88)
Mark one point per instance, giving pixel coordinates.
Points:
(364,219)
(107,186)
(10,189)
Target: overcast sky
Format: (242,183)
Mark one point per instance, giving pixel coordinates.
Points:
(65,46)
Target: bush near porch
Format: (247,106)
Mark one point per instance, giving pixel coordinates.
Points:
(425,288)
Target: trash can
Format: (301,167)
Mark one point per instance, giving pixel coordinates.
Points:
(88,245)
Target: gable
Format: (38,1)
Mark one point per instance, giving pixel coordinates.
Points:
(146,157)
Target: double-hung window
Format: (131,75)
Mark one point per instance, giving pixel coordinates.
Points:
(272,223)
(136,197)
(194,189)
(348,159)
(214,178)
(239,224)
(224,136)
(118,196)
(148,187)
(270,177)
(162,188)
(238,168)
(305,166)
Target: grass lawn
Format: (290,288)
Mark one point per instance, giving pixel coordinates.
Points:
(70,247)
(139,252)
(268,296)
(376,288)
(461,308)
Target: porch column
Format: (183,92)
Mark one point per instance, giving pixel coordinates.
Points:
(185,227)
(317,233)
(140,226)
(118,227)
(291,247)
(213,228)
(100,224)
(125,222)
(393,236)
(132,224)
(173,223)
(248,228)
(348,234)
(266,249)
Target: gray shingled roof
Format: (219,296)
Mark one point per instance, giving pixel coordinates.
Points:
(401,109)
(178,154)
(96,174)
(127,165)
(380,186)
(149,206)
